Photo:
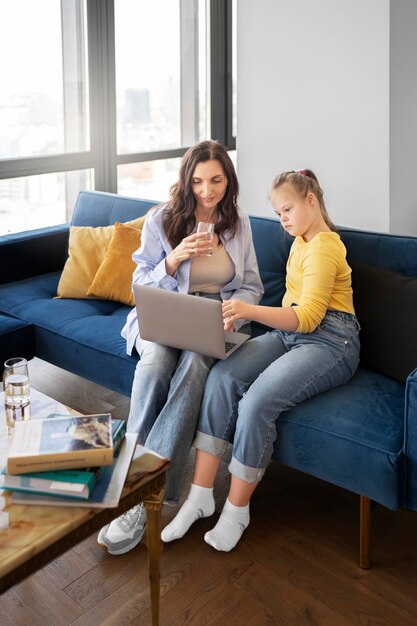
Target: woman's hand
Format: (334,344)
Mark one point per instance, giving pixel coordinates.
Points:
(236,310)
(197,244)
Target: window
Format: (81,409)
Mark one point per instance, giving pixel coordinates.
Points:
(160,79)
(161,97)
(44,86)
(150,180)
(107,95)
(38,201)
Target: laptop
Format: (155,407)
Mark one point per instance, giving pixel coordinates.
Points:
(184,321)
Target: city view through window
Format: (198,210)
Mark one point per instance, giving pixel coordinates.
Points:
(160,102)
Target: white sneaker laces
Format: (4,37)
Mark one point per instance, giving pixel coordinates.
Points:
(130,518)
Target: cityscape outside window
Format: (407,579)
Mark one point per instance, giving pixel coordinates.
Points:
(91,99)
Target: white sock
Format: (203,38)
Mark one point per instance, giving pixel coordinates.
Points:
(231,525)
(199,503)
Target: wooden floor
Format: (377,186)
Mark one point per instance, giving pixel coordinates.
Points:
(295,565)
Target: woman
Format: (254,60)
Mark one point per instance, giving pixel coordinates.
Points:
(314,347)
(168,383)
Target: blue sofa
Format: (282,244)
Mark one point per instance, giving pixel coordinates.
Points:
(361,436)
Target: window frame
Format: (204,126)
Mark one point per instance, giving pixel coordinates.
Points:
(102,156)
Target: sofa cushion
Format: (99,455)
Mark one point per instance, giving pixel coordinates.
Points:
(16,339)
(16,296)
(32,300)
(79,335)
(86,250)
(105,364)
(98,208)
(113,280)
(351,436)
(386,306)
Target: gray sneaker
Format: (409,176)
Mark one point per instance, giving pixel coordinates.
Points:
(125,532)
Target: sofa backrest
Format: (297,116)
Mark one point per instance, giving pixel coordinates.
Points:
(97,208)
(384,276)
(396,253)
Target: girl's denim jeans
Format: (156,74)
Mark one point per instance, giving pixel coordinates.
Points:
(246,394)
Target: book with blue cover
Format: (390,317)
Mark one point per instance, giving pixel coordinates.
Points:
(118,433)
(65,483)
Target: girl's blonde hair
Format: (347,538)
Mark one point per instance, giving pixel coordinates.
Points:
(304,182)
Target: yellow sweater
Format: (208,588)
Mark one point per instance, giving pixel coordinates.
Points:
(318,279)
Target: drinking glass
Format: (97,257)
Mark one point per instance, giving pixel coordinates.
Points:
(16,390)
(206,227)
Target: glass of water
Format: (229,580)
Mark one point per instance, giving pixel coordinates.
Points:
(16,390)
(206,227)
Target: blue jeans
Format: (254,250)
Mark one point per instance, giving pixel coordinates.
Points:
(166,396)
(165,401)
(246,394)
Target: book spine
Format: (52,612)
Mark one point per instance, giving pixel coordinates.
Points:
(45,463)
(118,438)
(43,480)
(48,492)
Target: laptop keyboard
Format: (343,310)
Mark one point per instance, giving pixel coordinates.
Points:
(229,345)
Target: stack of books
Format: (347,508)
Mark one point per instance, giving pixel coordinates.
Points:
(71,460)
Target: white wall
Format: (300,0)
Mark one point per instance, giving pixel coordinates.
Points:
(313,91)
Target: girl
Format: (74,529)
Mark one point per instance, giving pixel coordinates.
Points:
(314,346)
(168,383)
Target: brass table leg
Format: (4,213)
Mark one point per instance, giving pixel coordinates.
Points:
(153,506)
(365,533)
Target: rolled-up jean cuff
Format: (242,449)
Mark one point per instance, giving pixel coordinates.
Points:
(212,445)
(246,473)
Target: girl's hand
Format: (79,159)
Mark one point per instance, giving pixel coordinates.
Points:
(236,310)
(197,244)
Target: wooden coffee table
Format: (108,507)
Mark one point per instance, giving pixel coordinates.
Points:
(31,536)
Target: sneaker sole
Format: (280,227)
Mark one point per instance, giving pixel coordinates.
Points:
(101,537)
(111,547)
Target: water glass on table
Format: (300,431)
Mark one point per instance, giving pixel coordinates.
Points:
(206,227)
(16,390)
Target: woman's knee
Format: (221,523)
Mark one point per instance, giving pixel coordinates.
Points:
(195,362)
(156,357)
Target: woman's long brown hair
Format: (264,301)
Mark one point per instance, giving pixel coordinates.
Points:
(179,220)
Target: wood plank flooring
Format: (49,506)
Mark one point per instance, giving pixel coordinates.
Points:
(295,565)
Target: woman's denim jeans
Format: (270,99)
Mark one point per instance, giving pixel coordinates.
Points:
(246,394)
(165,402)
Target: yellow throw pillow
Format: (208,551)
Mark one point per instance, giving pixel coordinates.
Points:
(113,280)
(86,250)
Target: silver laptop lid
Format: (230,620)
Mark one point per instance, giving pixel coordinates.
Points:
(183,321)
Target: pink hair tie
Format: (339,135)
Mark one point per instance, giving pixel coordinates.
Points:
(303,172)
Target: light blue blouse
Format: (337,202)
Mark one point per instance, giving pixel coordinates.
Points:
(150,259)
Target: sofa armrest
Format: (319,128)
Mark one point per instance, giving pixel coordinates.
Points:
(33,252)
(410,443)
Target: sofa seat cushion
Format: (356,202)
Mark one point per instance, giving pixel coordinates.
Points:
(16,339)
(14,296)
(351,436)
(91,322)
(81,336)
(32,300)
(93,348)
